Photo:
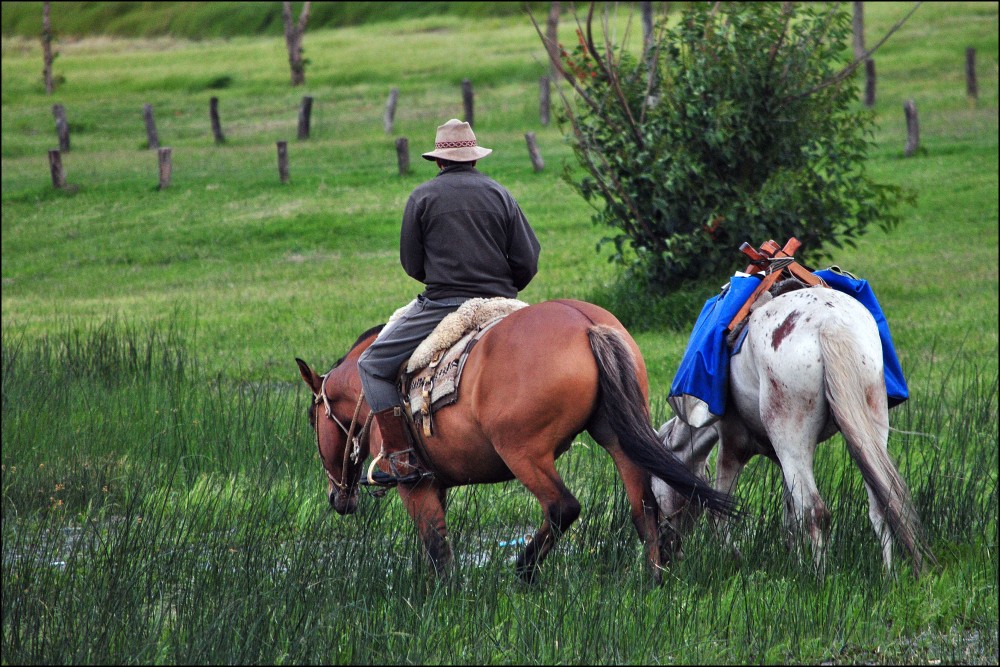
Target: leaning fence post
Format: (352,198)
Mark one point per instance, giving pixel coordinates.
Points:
(283,161)
(536,158)
(147,114)
(912,128)
(467,101)
(305,111)
(544,94)
(971,87)
(390,110)
(62,127)
(403,155)
(163,154)
(213,112)
(56,169)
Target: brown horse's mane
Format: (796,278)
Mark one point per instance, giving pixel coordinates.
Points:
(374,331)
(371,332)
(364,336)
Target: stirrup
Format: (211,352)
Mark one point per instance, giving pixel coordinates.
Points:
(384,479)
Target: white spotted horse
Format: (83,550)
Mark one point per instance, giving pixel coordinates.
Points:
(810,365)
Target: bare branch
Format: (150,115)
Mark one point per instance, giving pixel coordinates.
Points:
(590,35)
(553,53)
(304,16)
(609,68)
(568,75)
(293,40)
(847,71)
(805,45)
(653,65)
(786,11)
(552,36)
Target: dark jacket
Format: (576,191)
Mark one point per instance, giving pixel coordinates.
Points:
(464,235)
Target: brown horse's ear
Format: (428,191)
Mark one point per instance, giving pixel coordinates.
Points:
(309,375)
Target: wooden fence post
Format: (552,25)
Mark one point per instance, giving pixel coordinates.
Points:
(544,95)
(305,111)
(467,101)
(912,128)
(147,114)
(163,154)
(536,158)
(56,169)
(213,112)
(971,87)
(283,161)
(62,127)
(390,110)
(869,82)
(403,155)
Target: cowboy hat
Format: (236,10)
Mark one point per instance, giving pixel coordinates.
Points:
(456,141)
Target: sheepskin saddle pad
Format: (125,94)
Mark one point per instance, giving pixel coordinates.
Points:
(432,374)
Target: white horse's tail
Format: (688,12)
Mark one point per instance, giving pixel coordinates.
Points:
(858,401)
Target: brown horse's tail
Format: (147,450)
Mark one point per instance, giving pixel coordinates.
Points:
(625,408)
(865,429)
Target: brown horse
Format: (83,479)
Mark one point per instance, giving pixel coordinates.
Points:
(536,380)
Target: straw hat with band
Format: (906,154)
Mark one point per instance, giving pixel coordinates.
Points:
(456,141)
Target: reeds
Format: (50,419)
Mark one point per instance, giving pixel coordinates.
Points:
(155,515)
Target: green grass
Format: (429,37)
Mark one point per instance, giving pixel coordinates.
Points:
(162,496)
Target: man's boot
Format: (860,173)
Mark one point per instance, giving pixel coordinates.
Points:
(395,438)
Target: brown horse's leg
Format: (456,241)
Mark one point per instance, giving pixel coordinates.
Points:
(645,509)
(559,507)
(425,503)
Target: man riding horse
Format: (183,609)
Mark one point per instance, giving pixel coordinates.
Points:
(463,236)
(538,377)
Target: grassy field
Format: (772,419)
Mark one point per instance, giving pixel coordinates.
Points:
(162,497)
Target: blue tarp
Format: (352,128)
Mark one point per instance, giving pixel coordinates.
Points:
(699,390)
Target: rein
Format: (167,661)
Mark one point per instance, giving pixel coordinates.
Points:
(357,440)
(352,454)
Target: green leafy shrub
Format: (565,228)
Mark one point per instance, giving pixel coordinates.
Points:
(738,124)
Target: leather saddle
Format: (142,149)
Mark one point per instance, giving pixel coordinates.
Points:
(430,379)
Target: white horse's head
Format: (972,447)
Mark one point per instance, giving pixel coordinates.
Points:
(692,446)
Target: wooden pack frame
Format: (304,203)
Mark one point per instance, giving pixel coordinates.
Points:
(774,261)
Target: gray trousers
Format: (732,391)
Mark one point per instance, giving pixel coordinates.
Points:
(379,364)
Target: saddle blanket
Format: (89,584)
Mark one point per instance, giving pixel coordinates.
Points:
(699,389)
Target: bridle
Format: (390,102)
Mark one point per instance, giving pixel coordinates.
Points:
(351,468)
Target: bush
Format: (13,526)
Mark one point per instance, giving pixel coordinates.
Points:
(739,124)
